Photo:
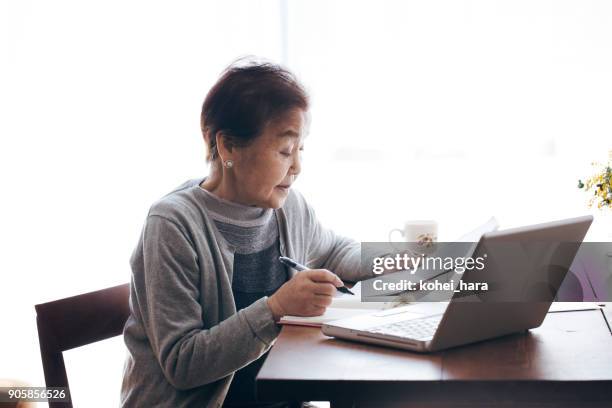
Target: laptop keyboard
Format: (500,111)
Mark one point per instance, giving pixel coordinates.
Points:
(417,329)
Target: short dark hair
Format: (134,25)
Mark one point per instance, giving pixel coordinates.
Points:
(248,95)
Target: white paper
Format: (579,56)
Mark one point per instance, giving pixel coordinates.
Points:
(343,305)
(572,306)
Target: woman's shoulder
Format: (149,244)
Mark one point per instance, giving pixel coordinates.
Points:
(180,205)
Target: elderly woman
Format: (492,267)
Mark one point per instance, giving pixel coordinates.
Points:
(207,288)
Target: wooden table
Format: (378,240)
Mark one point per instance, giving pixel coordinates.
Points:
(567,362)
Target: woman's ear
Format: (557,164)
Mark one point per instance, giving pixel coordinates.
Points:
(224,146)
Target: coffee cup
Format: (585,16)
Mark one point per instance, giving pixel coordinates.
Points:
(420,234)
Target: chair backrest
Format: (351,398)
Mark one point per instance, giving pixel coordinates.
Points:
(76,321)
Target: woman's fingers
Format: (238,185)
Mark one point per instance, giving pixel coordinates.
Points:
(324,289)
(324,276)
(317,311)
(310,292)
(322,300)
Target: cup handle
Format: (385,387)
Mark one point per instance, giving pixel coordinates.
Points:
(391,238)
(394,230)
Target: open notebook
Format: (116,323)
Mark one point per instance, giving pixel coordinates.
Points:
(344,305)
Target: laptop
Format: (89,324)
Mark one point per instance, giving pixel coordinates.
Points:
(525,268)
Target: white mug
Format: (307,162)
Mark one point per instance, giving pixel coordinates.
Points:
(422,232)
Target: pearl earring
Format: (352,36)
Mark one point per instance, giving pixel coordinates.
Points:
(228,164)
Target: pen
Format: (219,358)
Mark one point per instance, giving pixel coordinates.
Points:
(299,267)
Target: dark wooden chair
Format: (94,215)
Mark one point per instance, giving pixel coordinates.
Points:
(76,321)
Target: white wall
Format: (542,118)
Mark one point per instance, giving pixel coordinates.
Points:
(453,110)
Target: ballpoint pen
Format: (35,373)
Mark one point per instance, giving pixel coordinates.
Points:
(299,267)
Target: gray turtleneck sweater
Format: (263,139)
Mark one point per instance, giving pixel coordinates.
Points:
(253,232)
(201,275)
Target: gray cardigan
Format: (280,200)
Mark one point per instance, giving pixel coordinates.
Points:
(184,337)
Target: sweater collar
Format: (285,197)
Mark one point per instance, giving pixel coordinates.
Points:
(234,213)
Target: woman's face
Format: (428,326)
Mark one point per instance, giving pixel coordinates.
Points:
(264,170)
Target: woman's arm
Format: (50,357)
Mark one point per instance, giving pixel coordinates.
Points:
(169,299)
(339,254)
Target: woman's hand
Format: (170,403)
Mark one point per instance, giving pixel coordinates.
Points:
(308,293)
